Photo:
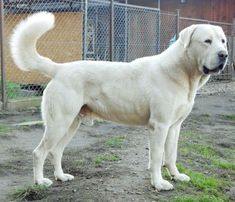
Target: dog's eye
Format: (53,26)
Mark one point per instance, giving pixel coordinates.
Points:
(208,41)
(223,41)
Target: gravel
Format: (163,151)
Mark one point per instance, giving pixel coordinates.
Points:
(217,88)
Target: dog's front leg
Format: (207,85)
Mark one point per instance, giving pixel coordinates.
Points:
(157,141)
(171,153)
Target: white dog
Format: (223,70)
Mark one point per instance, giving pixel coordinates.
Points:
(156,91)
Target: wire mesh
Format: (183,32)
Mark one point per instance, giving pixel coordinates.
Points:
(62,44)
(168,30)
(135,31)
(98,31)
(142,32)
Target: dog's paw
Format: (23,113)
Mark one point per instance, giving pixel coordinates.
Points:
(44,181)
(163,185)
(64,177)
(182,177)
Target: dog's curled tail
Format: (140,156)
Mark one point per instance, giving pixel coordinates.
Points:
(23,44)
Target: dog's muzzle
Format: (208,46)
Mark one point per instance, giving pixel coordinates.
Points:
(214,70)
(222,58)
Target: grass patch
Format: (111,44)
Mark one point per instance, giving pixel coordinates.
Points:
(206,151)
(189,133)
(200,198)
(99,160)
(13,90)
(80,163)
(209,185)
(223,164)
(30,193)
(209,153)
(230,117)
(4,130)
(204,115)
(203,182)
(115,141)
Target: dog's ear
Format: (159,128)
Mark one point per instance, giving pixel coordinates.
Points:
(186,35)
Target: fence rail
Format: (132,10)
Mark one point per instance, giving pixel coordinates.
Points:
(91,30)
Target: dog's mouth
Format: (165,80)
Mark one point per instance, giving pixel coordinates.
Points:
(214,70)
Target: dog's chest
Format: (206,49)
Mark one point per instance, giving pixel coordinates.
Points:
(183,110)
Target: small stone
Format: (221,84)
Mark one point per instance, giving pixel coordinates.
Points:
(107,189)
(231,193)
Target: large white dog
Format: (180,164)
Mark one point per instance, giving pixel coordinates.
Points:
(156,91)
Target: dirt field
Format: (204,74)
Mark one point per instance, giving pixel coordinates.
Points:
(109,161)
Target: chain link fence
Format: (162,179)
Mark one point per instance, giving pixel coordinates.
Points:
(135,31)
(62,44)
(168,29)
(91,30)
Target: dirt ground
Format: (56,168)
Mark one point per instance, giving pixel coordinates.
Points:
(109,161)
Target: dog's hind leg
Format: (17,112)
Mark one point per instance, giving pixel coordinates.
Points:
(54,132)
(57,152)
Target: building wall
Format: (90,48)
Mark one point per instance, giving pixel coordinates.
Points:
(215,10)
(62,44)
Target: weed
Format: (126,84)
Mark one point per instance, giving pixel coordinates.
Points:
(230,117)
(115,141)
(166,174)
(29,193)
(99,160)
(4,130)
(205,115)
(81,162)
(78,164)
(13,90)
(189,133)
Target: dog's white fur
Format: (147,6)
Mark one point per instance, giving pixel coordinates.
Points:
(156,91)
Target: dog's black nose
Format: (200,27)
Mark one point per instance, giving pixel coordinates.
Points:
(222,55)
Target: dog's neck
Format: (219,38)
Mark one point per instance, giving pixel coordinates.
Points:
(188,68)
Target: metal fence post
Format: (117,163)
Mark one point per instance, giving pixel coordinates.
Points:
(111,30)
(159,31)
(232,49)
(3,74)
(85,6)
(177,23)
(126,34)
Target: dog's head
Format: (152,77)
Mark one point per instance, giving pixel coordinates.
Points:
(208,45)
